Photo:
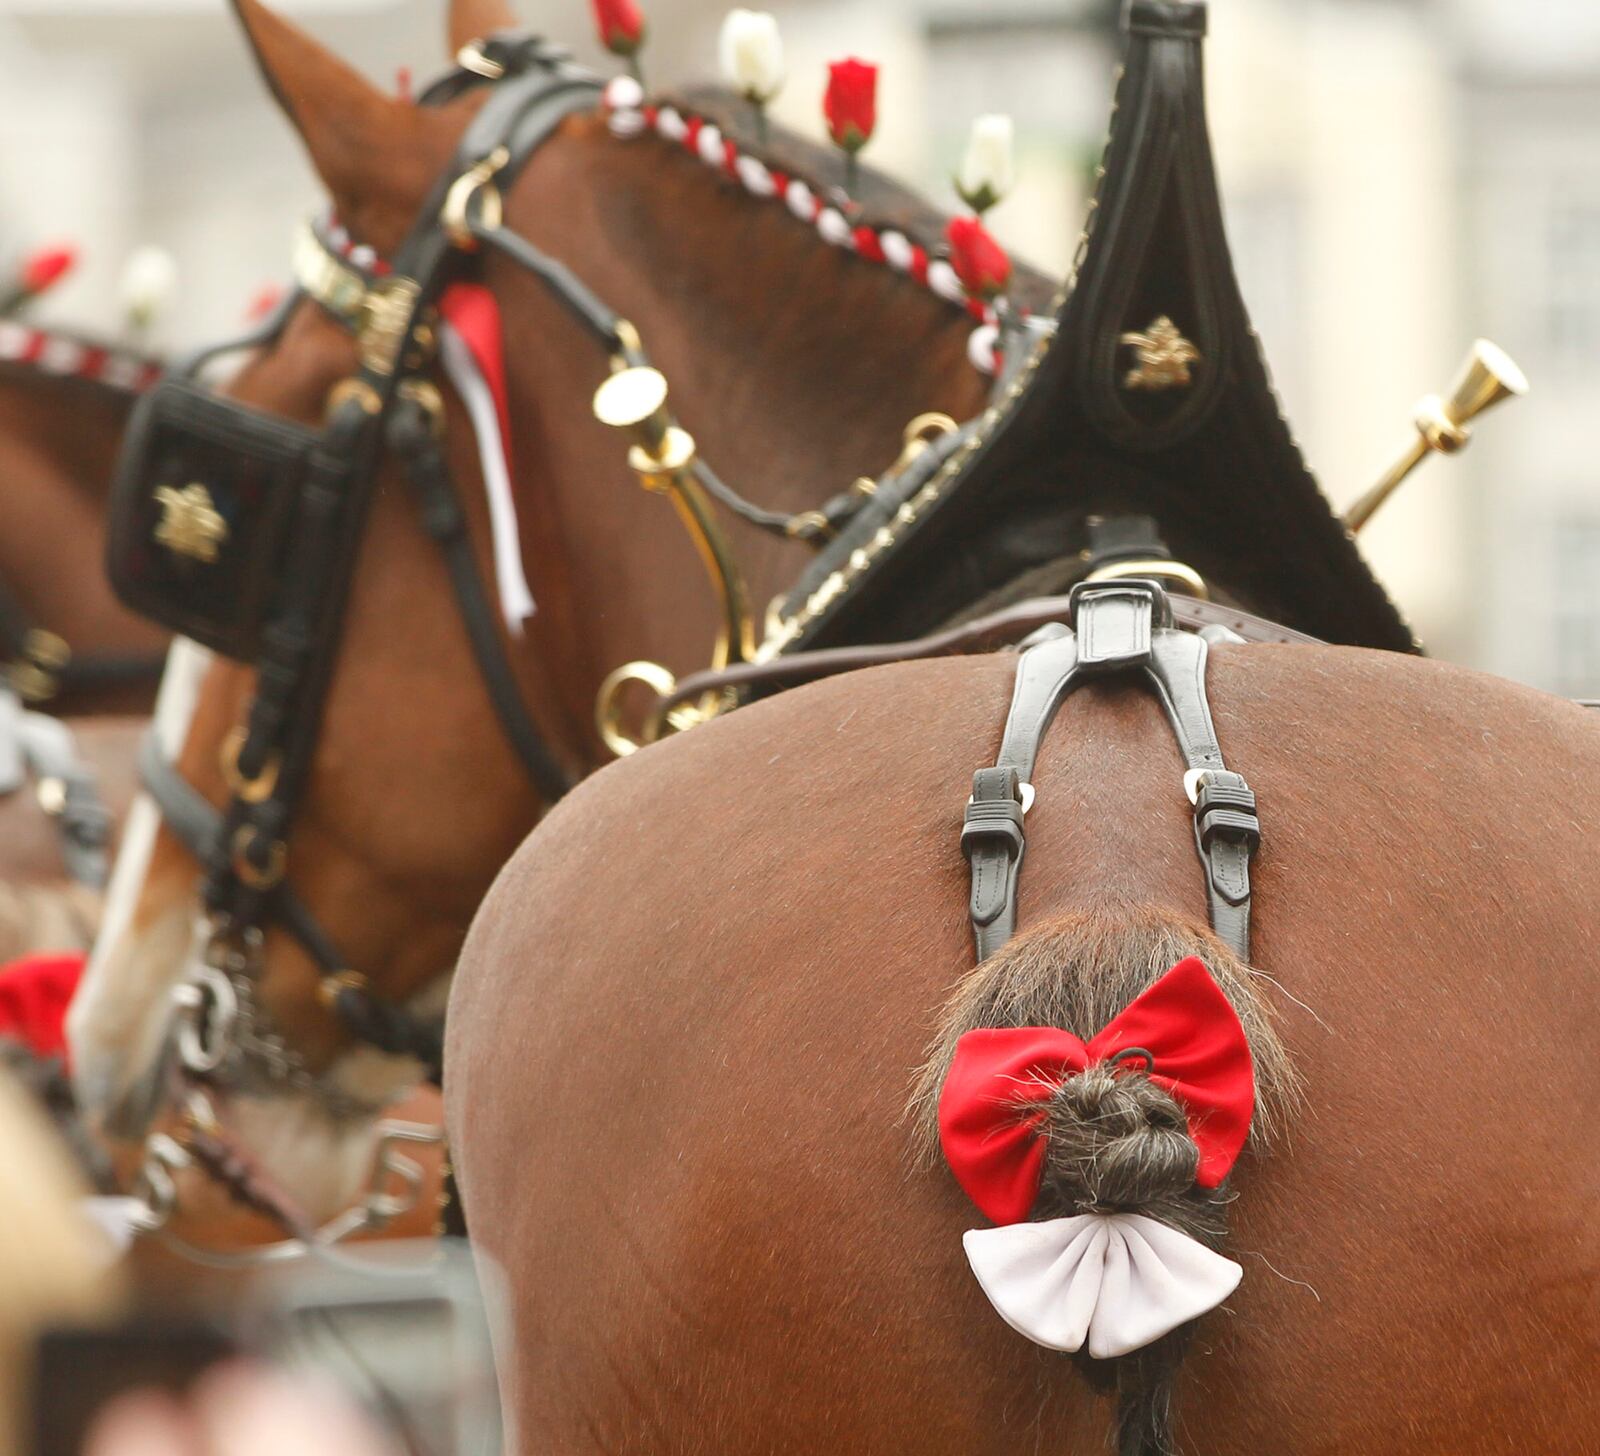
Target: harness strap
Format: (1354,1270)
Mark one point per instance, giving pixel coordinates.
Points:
(1118,627)
(411,437)
(41,748)
(198,825)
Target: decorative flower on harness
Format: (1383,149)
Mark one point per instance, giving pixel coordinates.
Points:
(851,103)
(1114,1279)
(980,262)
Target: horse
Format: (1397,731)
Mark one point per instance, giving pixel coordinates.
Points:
(64,406)
(798,365)
(701,1020)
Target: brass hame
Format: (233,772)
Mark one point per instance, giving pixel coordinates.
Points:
(633,399)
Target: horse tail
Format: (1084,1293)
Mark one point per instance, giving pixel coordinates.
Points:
(1115,1140)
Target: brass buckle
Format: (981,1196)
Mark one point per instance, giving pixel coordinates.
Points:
(254,790)
(244,840)
(476,181)
(471,57)
(385,322)
(36,674)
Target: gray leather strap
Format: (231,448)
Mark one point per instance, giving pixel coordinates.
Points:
(1123,626)
(67,787)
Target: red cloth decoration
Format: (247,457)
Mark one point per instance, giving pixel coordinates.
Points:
(474,312)
(851,103)
(1184,1022)
(981,264)
(35,992)
(47,266)
(263,302)
(621,25)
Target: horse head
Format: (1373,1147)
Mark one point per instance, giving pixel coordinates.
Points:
(412,794)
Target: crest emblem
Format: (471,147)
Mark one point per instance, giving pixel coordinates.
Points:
(1163,356)
(190,523)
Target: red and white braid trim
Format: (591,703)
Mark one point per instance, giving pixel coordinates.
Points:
(630,115)
(71,358)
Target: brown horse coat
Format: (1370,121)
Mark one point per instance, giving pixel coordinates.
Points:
(690,1012)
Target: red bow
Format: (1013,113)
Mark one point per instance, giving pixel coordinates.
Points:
(1199,1053)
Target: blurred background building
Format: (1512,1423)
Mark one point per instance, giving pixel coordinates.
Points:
(1400,176)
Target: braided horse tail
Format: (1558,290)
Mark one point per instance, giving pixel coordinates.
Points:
(1114,1139)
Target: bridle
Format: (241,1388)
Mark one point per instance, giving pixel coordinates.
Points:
(261,571)
(41,666)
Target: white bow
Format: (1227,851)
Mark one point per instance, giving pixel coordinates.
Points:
(1120,1280)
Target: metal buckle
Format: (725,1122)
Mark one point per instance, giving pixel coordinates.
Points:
(207,1013)
(472,57)
(475,182)
(1135,587)
(385,322)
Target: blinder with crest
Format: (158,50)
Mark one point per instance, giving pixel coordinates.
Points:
(200,513)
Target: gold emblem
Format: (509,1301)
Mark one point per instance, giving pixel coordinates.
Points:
(1164,357)
(190,524)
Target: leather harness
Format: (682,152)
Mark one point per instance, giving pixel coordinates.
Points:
(1122,627)
(386,406)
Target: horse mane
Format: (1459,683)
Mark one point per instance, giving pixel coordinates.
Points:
(79,361)
(885,201)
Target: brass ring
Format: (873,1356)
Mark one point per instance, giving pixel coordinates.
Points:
(244,839)
(1177,571)
(353,389)
(425,393)
(329,987)
(49,651)
(252,790)
(608,707)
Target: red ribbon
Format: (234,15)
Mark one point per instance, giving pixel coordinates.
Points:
(1200,1056)
(35,992)
(474,313)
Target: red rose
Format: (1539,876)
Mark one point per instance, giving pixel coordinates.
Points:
(851,104)
(980,263)
(621,25)
(47,266)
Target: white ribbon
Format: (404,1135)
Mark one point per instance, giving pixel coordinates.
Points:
(1117,1280)
(516,600)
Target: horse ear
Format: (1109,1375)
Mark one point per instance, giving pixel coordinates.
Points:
(377,155)
(474,19)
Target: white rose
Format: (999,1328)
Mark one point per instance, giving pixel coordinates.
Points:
(752,53)
(988,170)
(148,281)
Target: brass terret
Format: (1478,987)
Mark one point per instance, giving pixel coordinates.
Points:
(1488,376)
(1163,356)
(190,524)
(634,400)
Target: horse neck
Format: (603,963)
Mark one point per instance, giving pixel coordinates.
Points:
(794,364)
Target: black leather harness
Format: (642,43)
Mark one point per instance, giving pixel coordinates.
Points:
(1117,627)
(293,641)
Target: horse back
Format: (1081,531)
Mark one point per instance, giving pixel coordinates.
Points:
(690,1012)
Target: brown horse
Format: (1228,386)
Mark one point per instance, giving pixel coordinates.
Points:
(797,364)
(690,1014)
(64,404)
